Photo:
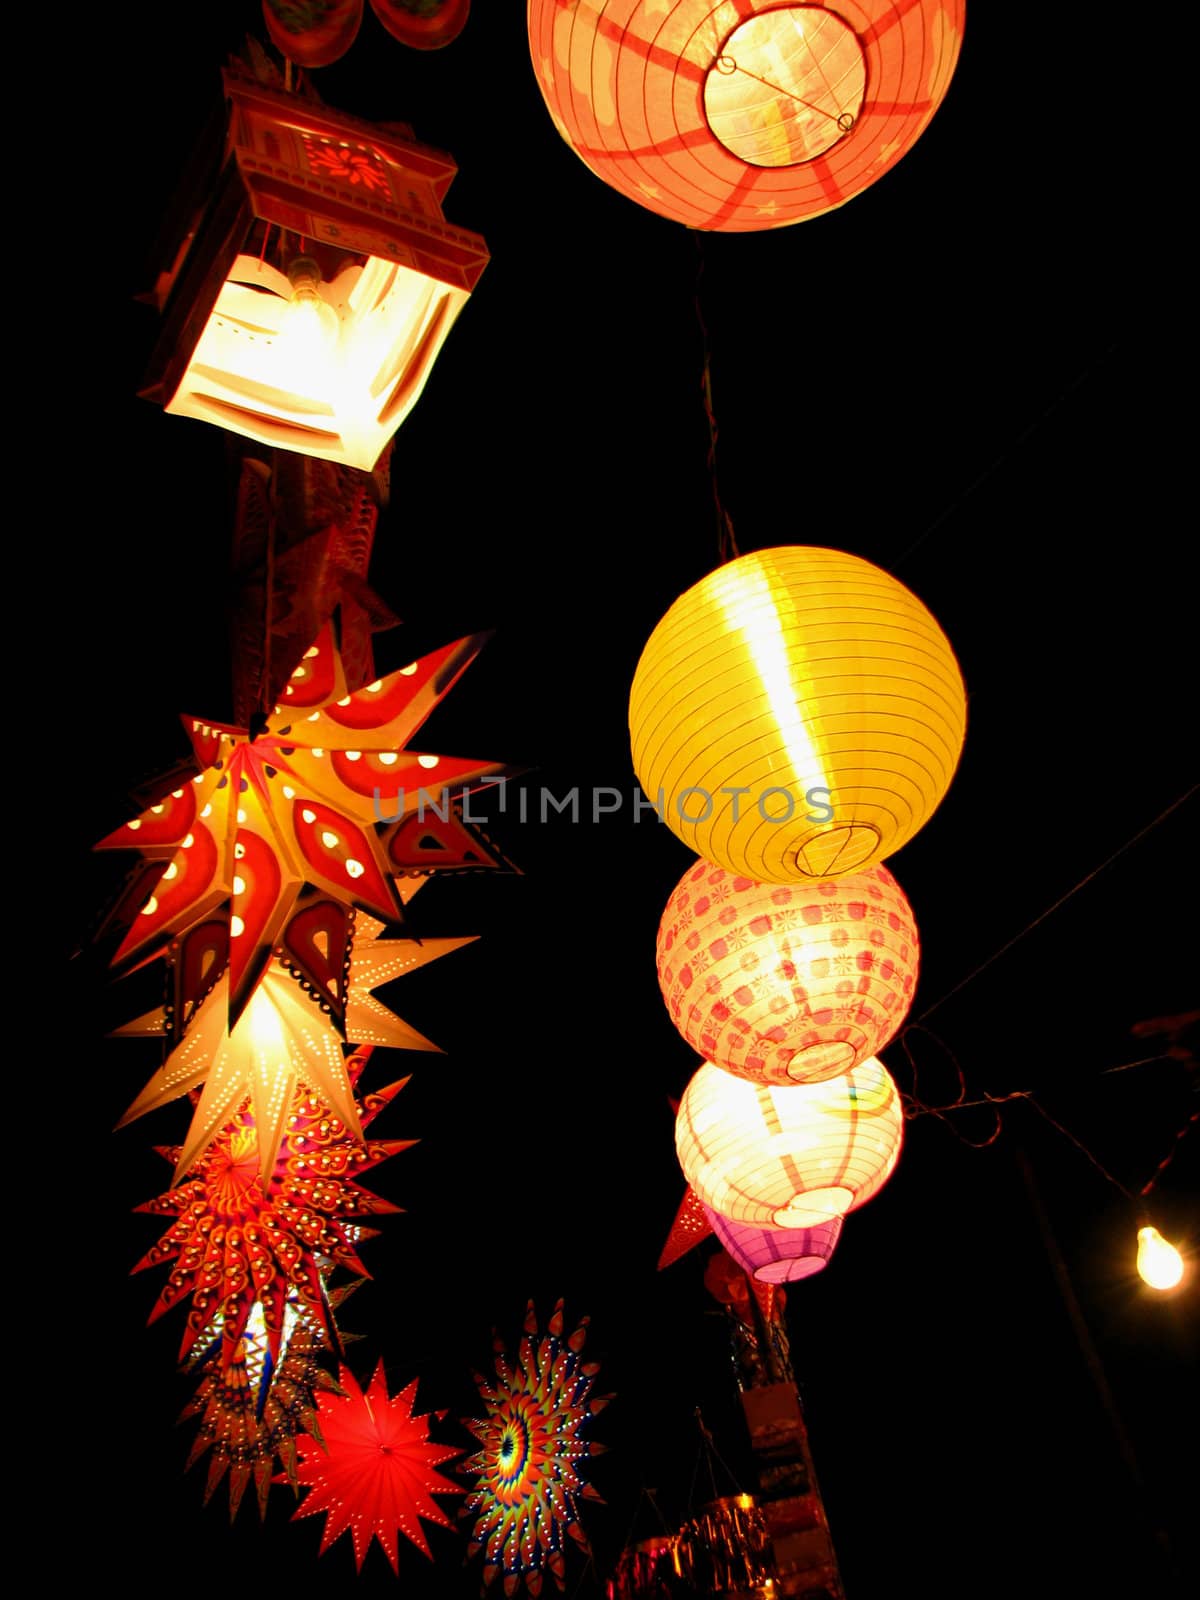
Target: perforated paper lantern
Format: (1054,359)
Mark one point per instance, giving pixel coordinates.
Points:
(798,713)
(742,114)
(789,1157)
(783,983)
(777,1255)
(322,350)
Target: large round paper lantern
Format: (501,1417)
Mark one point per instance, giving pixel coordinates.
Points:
(787,983)
(777,1255)
(798,713)
(742,114)
(788,1157)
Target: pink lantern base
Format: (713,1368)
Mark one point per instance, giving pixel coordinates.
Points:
(777,1255)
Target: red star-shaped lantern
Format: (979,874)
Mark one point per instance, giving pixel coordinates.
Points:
(287,829)
(374,1474)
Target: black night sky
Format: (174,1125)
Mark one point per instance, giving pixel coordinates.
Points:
(959,376)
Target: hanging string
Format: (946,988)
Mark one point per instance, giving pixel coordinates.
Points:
(727,545)
(1026,433)
(588,1567)
(265,699)
(1061,901)
(914,1107)
(1170,1155)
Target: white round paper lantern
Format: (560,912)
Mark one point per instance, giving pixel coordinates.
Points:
(789,1157)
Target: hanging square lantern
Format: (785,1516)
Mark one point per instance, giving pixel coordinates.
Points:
(314,283)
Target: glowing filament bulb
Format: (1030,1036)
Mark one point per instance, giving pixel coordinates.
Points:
(310,325)
(1158,1262)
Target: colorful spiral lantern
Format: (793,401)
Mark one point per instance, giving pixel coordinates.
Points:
(777,1255)
(742,114)
(791,1157)
(787,983)
(798,713)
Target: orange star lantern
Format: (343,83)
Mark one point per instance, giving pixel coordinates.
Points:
(313,286)
(742,114)
(282,1041)
(309,803)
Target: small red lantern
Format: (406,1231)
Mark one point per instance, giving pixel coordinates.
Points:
(312,33)
(423,24)
(787,983)
(742,116)
(314,283)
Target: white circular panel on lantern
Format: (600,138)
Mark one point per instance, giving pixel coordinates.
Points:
(787,85)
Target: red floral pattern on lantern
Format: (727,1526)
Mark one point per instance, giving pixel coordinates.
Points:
(349,166)
(787,983)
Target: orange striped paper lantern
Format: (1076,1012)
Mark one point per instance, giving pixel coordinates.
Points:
(787,983)
(798,713)
(789,1157)
(741,115)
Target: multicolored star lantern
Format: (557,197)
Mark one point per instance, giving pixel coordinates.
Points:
(283,1040)
(312,799)
(374,1471)
(534,1442)
(236,1246)
(251,1411)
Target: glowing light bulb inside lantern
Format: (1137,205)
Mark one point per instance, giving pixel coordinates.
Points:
(1158,1261)
(310,329)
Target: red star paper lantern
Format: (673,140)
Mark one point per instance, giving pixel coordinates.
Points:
(322,351)
(787,983)
(691,1225)
(312,801)
(373,1470)
(234,1245)
(746,116)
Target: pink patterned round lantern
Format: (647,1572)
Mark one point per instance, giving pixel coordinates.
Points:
(777,1255)
(789,1157)
(787,983)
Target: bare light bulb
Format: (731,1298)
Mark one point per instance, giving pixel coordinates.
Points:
(1158,1262)
(310,324)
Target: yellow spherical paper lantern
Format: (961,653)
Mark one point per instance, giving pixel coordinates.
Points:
(797,714)
(789,1157)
